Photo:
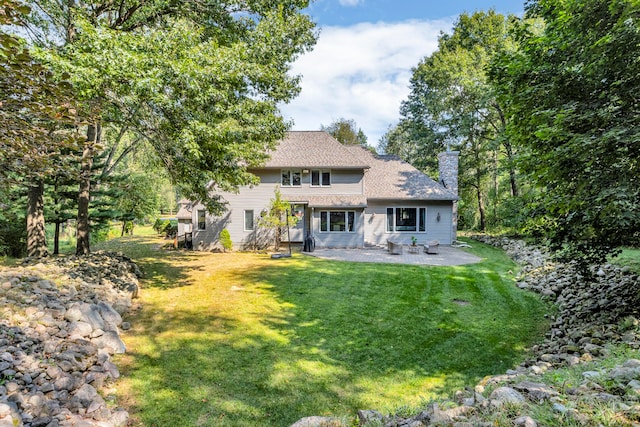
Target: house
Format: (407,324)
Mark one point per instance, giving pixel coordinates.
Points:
(343,196)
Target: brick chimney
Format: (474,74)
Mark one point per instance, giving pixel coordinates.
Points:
(448,170)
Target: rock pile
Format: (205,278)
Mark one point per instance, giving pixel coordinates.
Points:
(514,403)
(59,327)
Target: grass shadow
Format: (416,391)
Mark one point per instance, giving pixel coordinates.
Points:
(255,341)
(162,268)
(405,319)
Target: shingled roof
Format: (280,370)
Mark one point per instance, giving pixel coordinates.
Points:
(313,149)
(184,210)
(389,177)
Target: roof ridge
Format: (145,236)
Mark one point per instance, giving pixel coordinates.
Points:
(313,149)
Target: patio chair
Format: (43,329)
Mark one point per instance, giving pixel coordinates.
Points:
(394,248)
(431,247)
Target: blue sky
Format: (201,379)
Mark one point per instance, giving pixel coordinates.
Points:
(361,66)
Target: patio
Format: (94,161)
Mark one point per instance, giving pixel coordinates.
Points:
(446,255)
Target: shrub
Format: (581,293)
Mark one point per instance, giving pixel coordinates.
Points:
(13,239)
(168,227)
(225,240)
(160,225)
(171,230)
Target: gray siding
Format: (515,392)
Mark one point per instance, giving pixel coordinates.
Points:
(254,198)
(343,182)
(208,238)
(249,198)
(257,198)
(330,239)
(370,227)
(376,221)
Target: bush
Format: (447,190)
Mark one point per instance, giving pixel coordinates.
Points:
(13,239)
(160,225)
(168,227)
(225,240)
(100,232)
(171,230)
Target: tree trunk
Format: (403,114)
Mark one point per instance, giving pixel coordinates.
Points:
(56,204)
(36,237)
(84,192)
(512,171)
(56,239)
(481,212)
(496,188)
(509,149)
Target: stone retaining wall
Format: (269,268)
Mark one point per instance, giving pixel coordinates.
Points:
(59,326)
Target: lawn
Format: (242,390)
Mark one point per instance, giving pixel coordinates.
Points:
(629,257)
(244,340)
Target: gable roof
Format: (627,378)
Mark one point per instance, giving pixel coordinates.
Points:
(185,209)
(313,149)
(392,178)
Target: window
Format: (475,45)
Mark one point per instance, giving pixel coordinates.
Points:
(291,178)
(248,220)
(337,221)
(202,223)
(320,178)
(423,219)
(406,219)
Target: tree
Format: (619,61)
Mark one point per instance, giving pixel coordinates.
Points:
(415,142)
(451,104)
(200,82)
(571,96)
(38,124)
(139,200)
(346,131)
(278,217)
(225,240)
(12,221)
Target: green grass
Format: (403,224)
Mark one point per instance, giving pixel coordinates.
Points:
(243,340)
(630,257)
(601,413)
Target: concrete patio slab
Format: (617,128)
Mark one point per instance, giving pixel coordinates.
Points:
(446,255)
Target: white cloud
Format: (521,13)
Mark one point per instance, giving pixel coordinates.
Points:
(350,2)
(361,72)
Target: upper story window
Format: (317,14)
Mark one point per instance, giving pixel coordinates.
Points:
(291,178)
(320,178)
(202,223)
(406,219)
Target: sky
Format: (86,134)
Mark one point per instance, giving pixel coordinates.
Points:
(361,65)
